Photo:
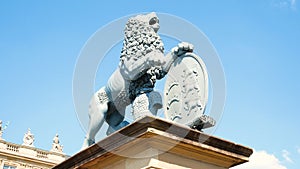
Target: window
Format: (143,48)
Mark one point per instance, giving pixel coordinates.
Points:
(9,167)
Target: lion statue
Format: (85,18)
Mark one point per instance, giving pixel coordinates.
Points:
(142,62)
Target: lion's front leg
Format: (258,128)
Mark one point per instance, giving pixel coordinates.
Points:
(146,104)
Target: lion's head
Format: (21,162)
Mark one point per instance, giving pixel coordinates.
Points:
(141,37)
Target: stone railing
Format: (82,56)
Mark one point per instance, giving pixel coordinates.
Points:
(32,152)
(12,147)
(42,154)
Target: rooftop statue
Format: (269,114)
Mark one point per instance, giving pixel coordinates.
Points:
(56,146)
(2,128)
(142,62)
(28,138)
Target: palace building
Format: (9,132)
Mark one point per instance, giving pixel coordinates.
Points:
(26,156)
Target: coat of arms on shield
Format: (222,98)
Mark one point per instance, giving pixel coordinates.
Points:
(186,92)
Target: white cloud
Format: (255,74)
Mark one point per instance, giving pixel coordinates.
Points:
(285,4)
(286,156)
(298,150)
(261,160)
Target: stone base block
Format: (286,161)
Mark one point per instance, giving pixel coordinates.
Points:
(153,143)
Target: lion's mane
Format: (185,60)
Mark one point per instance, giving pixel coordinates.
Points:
(140,39)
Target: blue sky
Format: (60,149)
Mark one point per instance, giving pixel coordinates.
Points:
(257,42)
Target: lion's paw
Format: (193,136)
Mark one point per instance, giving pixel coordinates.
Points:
(182,48)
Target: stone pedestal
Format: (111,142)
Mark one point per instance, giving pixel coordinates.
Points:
(153,143)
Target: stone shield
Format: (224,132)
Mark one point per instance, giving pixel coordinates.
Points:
(186,92)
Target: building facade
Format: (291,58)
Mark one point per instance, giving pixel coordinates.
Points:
(26,156)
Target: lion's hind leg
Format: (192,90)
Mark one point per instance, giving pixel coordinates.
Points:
(97,111)
(115,119)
